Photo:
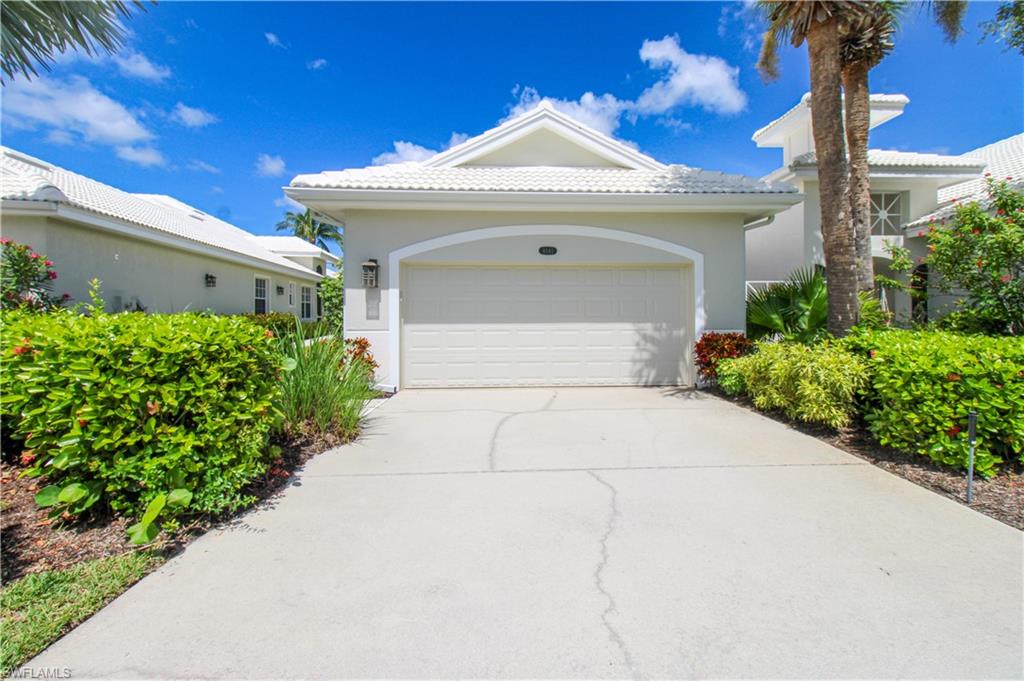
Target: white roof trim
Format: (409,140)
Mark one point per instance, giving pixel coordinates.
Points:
(883,108)
(544,117)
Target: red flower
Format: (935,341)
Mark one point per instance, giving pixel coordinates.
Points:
(873,353)
(952,432)
(27,457)
(82,423)
(66,296)
(268,333)
(20,349)
(48,263)
(5,241)
(980,263)
(1000,211)
(921,233)
(34,256)
(952,377)
(988,174)
(51,274)
(153,407)
(1005,278)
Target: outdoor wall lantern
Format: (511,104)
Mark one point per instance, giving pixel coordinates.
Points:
(370,268)
(211,281)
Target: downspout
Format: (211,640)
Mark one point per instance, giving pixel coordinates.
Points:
(760,222)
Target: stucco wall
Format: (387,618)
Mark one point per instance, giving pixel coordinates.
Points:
(374,234)
(162,279)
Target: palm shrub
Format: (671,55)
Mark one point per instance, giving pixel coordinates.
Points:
(812,383)
(797,309)
(328,384)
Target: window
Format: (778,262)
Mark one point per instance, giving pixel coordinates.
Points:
(261,304)
(291,294)
(886,213)
(306,311)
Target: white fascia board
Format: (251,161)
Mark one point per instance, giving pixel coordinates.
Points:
(954,174)
(71,214)
(337,200)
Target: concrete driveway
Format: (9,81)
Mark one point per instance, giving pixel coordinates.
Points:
(577,533)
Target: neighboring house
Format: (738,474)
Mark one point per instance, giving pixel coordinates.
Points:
(541,252)
(150,251)
(1004,160)
(904,187)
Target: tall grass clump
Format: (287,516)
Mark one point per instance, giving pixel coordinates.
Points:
(328,383)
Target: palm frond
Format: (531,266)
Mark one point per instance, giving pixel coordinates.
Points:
(33,33)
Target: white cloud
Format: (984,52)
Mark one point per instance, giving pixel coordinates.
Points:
(289,203)
(316,64)
(693,79)
(136,65)
(599,112)
(405,152)
(71,108)
(741,22)
(203,166)
(145,156)
(273,40)
(269,166)
(192,117)
(62,137)
(216,189)
(706,81)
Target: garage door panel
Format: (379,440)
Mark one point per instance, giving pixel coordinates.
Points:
(466,326)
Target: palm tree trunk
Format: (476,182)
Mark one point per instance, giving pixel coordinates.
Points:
(827,121)
(858,122)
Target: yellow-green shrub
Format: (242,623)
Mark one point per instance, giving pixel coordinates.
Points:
(144,414)
(812,383)
(924,384)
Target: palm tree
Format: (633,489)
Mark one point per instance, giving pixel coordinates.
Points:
(865,42)
(308,228)
(33,33)
(820,23)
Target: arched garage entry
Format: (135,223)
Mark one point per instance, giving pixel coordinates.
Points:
(482,278)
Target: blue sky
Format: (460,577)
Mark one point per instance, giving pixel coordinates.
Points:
(220,104)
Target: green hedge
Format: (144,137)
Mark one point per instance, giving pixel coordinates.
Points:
(283,323)
(144,414)
(924,384)
(811,383)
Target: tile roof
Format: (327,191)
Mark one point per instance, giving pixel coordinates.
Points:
(903,159)
(805,103)
(25,178)
(675,179)
(1003,160)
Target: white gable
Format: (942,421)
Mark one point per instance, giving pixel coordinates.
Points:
(544,137)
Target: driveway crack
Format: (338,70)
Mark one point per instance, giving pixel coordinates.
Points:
(613,633)
(508,417)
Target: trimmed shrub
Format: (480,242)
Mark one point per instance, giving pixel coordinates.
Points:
(142,414)
(811,383)
(713,347)
(283,323)
(924,384)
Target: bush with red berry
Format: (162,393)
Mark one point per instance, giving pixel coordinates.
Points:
(26,278)
(713,347)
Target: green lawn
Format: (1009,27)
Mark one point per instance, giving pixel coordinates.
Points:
(39,608)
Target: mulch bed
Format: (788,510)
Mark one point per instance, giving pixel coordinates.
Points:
(1000,497)
(31,542)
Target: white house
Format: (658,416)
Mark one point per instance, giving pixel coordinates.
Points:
(151,251)
(906,190)
(541,252)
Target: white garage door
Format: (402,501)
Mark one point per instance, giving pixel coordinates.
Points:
(519,326)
